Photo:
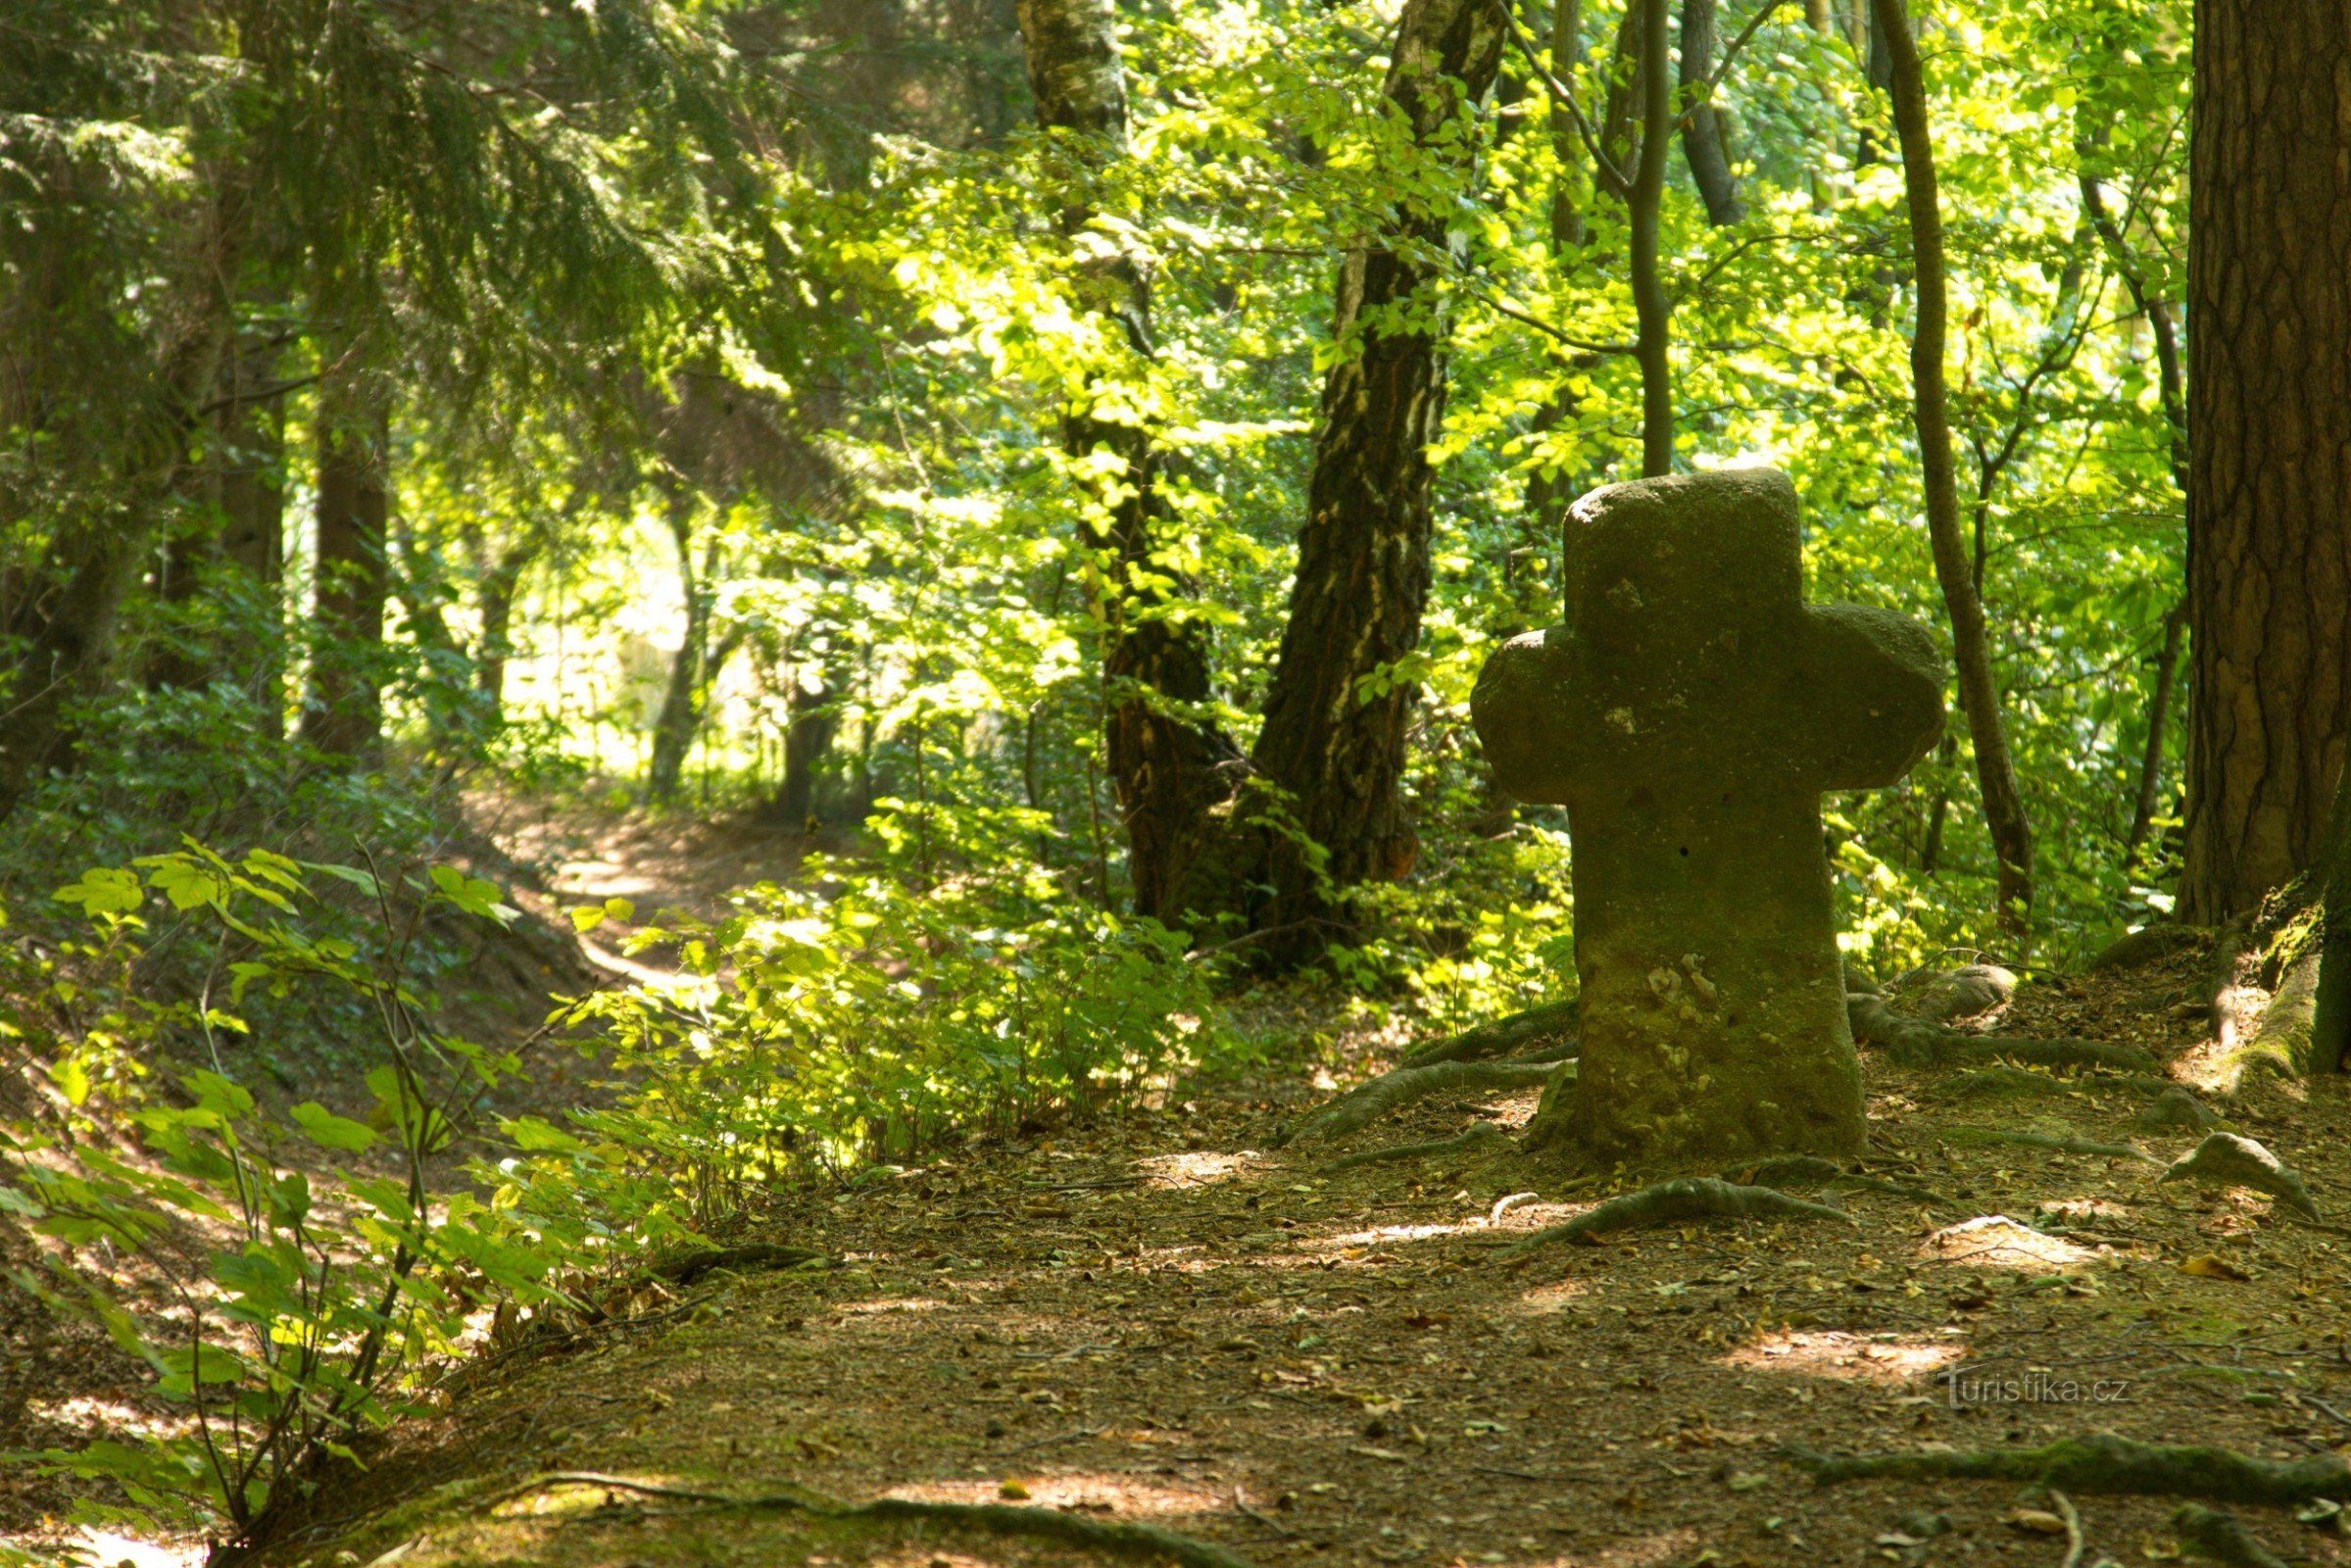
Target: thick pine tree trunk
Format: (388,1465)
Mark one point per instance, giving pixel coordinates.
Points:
(1165,763)
(68,651)
(344,713)
(682,700)
(2269,391)
(2331,1021)
(808,737)
(1337,710)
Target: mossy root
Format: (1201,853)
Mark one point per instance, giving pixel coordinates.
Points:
(1668,1202)
(1366,1103)
(1917,1043)
(1791,1173)
(2222,1536)
(2102,1462)
(1114,1538)
(686,1269)
(1548,1030)
(2225,1160)
(1483,1135)
(2060,1145)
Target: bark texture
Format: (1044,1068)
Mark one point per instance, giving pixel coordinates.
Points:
(1646,210)
(1338,709)
(1703,141)
(2269,432)
(1979,693)
(344,713)
(1166,762)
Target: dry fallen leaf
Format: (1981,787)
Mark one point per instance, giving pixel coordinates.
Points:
(2211,1266)
(1013,1491)
(2038,1521)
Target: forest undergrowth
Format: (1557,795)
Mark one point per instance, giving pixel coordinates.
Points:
(1181,1316)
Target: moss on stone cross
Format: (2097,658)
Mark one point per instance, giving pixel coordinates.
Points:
(1690,715)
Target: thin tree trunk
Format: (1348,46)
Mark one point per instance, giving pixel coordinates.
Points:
(680,717)
(1703,143)
(2330,1020)
(1165,762)
(1646,210)
(500,586)
(1338,708)
(2269,391)
(1995,771)
(808,737)
(2159,720)
(344,713)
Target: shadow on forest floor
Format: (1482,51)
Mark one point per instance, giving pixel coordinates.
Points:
(1147,1319)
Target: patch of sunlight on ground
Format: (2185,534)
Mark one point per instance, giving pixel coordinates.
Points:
(1545,1300)
(892,1303)
(1200,1167)
(105,1415)
(1855,1357)
(1995,1241)
(2085,1208)
(121,1551)
(1093,1491)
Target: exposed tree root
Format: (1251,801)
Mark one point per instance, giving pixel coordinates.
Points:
(1688,1198)
(2004,1080)
(1116,1539)
(1917,1043)
(2101,1462)
(2225,1160)
(1798,1172)
(2145,946)
(2175,1106)
(694,1265)
(1365,1103)
(2061,1145)
(2281,1041)
(2222,1536)
(1484,1135)
(1547,1033)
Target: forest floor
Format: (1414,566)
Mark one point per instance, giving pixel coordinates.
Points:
(1159,1318)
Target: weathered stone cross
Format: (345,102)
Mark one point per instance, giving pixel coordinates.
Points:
(1690,715)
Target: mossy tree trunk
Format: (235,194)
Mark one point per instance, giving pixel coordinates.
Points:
(1342,698)
(1165,760)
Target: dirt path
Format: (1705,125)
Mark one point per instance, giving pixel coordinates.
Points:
(1151,1320)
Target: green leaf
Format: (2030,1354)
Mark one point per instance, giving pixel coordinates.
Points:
(103,890)
(330,1131)
(534,1136)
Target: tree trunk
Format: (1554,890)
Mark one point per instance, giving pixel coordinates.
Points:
(808,737)
(1702,141)
(2159,720)
(68,653)
(1979,694)
(1646,211)
(680,717)
(1165,762)
(495,599)
(344,713)
(1339,707)
(2331,1023)
(2269,391)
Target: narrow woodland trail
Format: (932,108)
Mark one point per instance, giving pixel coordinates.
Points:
(1150,1320)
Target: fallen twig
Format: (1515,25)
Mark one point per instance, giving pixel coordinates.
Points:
(1119,1538)
(1687,1197)
(2074,1541)
(1365,1103)
(2102,1462)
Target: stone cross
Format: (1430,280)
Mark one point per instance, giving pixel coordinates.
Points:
(1690,715)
